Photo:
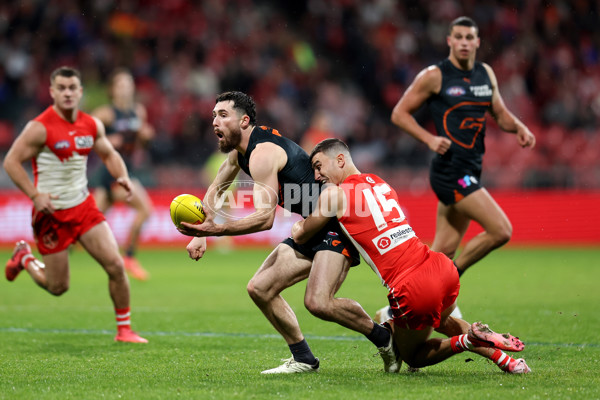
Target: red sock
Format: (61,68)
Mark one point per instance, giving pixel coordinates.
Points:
(456,344)
(501,359)
(123,318)
(463,342)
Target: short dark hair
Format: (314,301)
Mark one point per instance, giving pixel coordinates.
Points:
(242,102)
(66,72)
(328,146)
(463,21)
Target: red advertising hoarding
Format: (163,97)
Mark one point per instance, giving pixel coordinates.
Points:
(538,218)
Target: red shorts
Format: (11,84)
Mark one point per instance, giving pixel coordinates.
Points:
(419,299)
(57,231)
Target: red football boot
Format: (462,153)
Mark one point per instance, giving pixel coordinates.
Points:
(14,265)
(135,269)
(126,335)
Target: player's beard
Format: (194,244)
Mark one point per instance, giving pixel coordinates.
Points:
(228,144)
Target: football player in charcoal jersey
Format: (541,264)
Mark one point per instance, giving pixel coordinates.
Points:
(58,142)
(459,91)
(129,132)
(423,284)
(282,175)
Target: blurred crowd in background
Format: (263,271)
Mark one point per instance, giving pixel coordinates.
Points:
(316,68)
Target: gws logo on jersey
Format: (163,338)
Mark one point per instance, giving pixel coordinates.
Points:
(393,238)
(466,181)
(455,91)
(63,144)
(84,142)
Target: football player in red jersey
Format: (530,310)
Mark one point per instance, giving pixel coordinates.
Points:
(58,142)
(423,284)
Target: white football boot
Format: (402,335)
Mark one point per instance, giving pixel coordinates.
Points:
(391,360)
(291,366)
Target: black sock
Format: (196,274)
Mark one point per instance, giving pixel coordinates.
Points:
(302,353)
(379,336)
(460,272)
(130,252)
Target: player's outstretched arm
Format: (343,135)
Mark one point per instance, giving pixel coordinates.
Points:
(506,120)
(427,83)
(266,161)
(330,204)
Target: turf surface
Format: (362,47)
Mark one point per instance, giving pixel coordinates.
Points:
(209,341)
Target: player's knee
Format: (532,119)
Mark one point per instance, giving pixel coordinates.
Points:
(251,289)
(58,289)
(503,235)
(262,288)
(255,292)
(317,307)
(115,269)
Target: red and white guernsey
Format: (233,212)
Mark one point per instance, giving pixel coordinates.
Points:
(60,168)
(375,223)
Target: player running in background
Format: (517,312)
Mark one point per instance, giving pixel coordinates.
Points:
(423,284)
(129,132)
(459,91)
(282,175)
(58,142)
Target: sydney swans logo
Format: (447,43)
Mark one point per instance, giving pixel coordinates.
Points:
(231,200)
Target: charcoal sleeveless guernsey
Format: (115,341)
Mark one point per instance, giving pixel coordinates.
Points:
(458,111)
(128,124)
(298,190)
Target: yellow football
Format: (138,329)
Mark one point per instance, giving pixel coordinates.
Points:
(187,208)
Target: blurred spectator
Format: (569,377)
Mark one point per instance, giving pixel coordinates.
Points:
(349,60)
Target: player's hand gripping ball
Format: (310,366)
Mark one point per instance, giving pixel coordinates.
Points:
(187,208)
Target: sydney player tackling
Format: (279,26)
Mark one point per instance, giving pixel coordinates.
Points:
(423,284)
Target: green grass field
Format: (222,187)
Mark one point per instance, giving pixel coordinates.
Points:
(209,341)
